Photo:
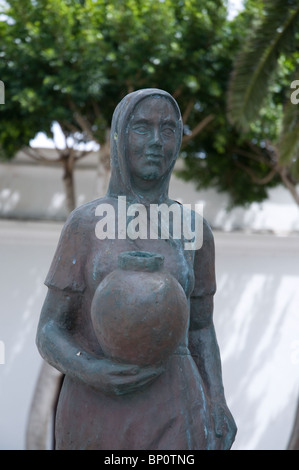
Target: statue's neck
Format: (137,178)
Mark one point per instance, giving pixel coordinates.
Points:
(150,191)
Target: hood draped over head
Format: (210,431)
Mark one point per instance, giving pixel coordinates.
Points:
(121,181)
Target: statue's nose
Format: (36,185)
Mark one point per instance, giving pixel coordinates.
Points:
(156,137)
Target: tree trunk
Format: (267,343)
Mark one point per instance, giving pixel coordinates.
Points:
(68,179)
(289,185)
(294,439)
(103,170)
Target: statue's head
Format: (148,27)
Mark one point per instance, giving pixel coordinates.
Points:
(146,136)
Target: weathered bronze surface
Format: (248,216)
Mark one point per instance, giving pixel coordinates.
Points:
(132,325)
(128,318)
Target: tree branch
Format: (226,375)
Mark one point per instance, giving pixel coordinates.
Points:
(261,181)
(35,155)
(283,173)
(83,123)
(85,126)
(256,150)
(177,92)
(197,129)
(59,151)
(70,127)
(188,111)
(96,109)
(253,156)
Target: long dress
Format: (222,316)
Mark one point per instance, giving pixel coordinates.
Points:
(170,413)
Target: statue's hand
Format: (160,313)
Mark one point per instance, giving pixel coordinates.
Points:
(225,428)
(114,378)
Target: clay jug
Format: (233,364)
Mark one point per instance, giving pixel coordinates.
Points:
(139,311)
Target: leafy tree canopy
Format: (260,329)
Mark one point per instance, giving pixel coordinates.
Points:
(260,103)
(71,61)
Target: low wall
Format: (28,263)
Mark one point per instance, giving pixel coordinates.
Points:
(35,191)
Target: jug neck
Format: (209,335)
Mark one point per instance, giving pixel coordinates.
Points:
(140,261)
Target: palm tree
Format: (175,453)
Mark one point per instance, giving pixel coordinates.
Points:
(273,38)
(254,70)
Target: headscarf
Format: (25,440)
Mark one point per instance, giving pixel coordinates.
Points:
(120,181)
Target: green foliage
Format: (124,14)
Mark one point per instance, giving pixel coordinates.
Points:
(61,59)
(259,101)
(288,143)
(258,60)
(71,61)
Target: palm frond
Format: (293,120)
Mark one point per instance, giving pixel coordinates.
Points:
(288,143)
(257,62)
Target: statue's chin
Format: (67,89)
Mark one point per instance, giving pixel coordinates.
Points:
(152,173)
(151,176)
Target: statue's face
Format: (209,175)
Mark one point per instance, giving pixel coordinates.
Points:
(152,138)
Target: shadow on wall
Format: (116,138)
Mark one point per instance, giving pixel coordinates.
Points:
(256,319)
(8,200)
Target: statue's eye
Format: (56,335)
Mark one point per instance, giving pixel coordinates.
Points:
(168,131)
(140,129)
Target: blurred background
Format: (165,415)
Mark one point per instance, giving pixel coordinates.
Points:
(233,67)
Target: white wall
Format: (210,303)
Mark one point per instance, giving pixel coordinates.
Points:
(30,190)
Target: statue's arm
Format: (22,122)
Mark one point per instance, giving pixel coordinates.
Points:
(204,349)
(58,341)
(203,343)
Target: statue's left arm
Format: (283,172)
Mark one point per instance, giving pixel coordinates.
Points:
(203,343)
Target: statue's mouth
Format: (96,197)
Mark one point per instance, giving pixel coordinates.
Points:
(154,157)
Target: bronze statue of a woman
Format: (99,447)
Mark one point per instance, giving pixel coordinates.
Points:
(172,402)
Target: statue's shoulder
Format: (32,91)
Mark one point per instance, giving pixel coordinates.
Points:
(207,231)
(85,213)
(198,221)
(83,218)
